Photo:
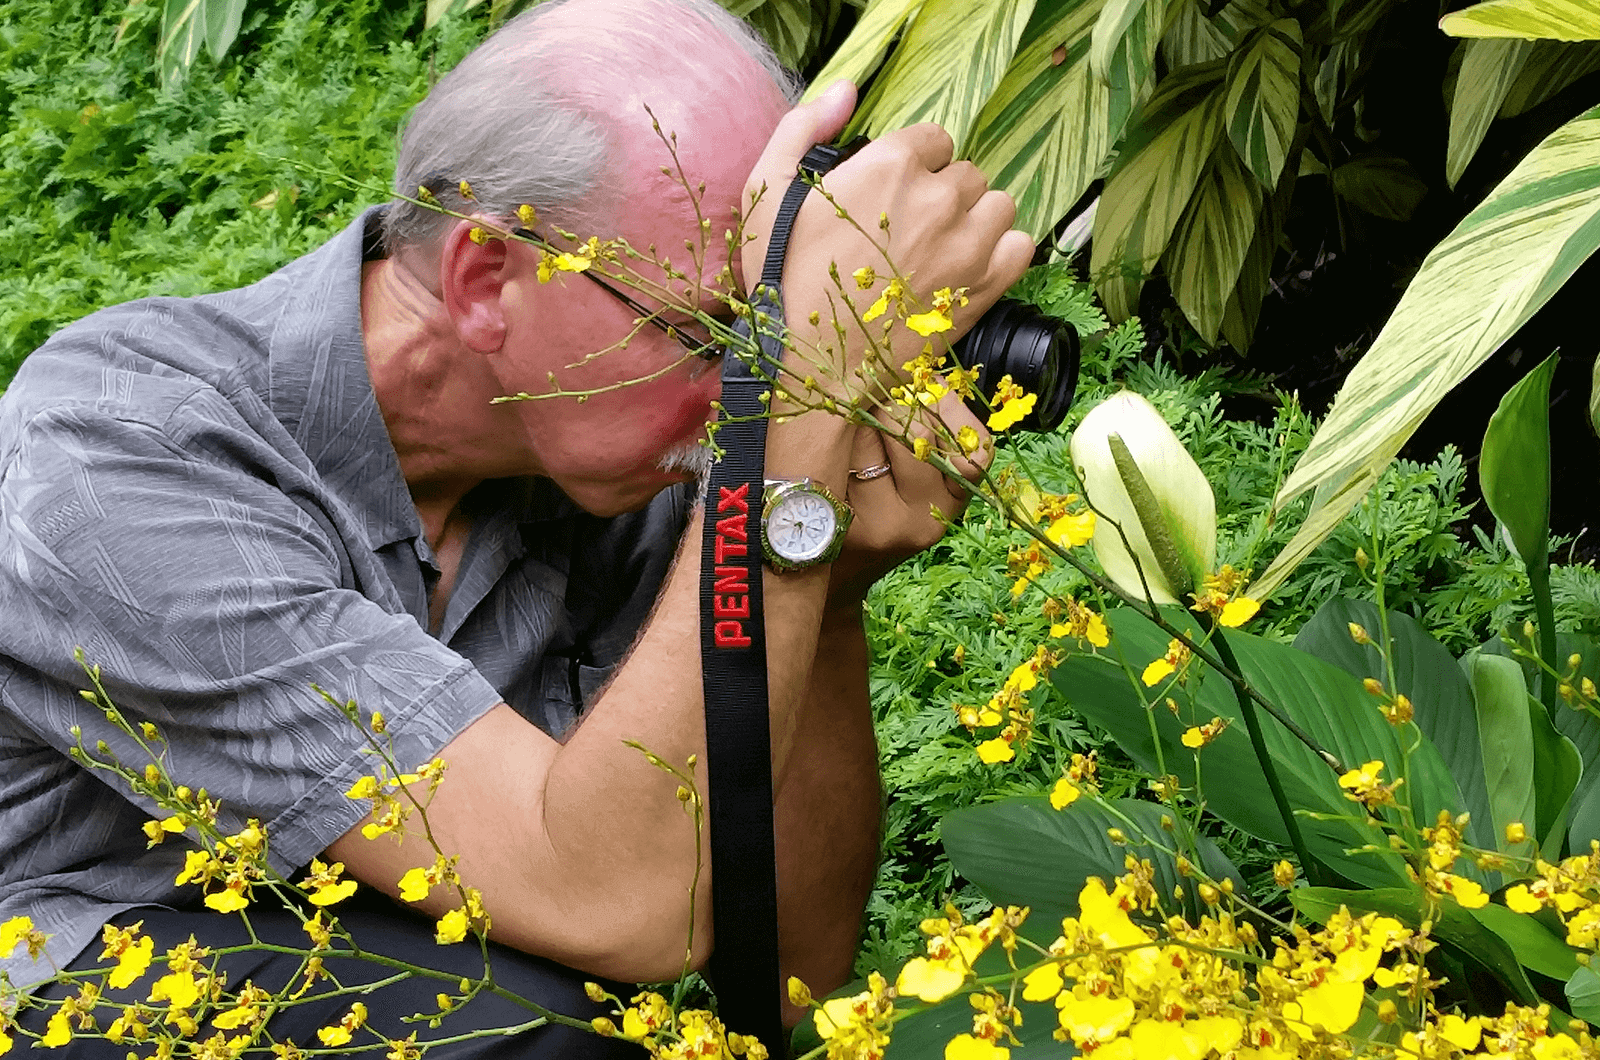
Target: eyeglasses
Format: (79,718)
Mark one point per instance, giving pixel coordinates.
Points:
(707,349)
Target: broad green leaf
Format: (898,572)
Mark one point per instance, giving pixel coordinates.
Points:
(1551,67)
(1212,240)
(1498,266)
(1557,767)
(1452,925)
(1514,468)
(1488,70)
(925,1035)
(1383,185)
(952,57)
(1043,137)
(1330,704)
(182,35)
(1530,940)
(1122,53)
(1161,162)
(1578,726)
(864,49)
(1542,19)
(1583,993)
(1427,674)
(1262,107)
(1023,851)
(1500,696)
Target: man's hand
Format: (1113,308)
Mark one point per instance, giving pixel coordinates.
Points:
(946,228)
(894,511)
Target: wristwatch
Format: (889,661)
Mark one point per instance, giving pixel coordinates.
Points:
(802,524)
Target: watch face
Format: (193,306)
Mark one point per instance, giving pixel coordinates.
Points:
(801,526)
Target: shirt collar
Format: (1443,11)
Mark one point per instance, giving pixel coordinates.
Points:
(322,392)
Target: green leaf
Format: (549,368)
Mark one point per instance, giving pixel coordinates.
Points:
(1488,70)
(1583,993)
(1023,851)
(1594,396)
(864,49)
(1160,165)
(1473,291)
(435,11)
(1470,939)
(1557,767)
(1244,305)
(945,67)
(1327,702)
(1427,674)
(1531,941)
(1123,52)
(787,25)
(1514,469)
(182,35)
(1578,726)
(1043,135)
(222,19)
(1213,240)
(1551,67)
(1547,19)
(1501,699)
(1385,186)
(1262,107)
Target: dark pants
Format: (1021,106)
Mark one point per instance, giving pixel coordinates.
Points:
(377,927)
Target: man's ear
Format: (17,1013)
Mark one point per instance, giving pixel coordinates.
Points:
(472,278)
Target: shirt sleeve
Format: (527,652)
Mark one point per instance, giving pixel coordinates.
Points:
(217,594)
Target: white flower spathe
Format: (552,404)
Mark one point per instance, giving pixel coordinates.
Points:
(1187,506)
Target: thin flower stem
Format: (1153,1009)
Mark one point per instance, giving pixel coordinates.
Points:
(1258,743)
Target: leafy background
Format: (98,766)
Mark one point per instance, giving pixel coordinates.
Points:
(118,188)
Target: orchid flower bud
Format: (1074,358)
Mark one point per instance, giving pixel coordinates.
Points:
(1138,475)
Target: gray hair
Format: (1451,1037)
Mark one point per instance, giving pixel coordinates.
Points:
(520,120)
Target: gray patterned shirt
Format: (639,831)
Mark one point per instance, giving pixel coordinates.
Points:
(202,494)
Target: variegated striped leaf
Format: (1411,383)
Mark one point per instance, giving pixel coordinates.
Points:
(1529,19)
(1043,136)
(1263,102)
(1473,291)
(182,35)
(951,59)
(1212,239)
(864,49)
(1244,307)
(1166,151)
(1192,37)
(1488,70)
(788,26)
(1122,53)
(1552,66)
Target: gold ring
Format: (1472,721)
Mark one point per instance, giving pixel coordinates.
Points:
(867,474)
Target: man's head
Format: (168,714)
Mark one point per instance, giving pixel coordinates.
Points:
(555,111)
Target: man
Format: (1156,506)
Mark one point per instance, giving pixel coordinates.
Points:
(230,499)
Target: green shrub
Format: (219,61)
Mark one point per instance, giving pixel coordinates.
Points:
(115,190)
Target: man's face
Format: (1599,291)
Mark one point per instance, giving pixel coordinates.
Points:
(647,404)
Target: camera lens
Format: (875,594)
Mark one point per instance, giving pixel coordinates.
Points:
(1039,353)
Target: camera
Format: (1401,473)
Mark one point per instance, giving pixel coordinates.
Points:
(1038,352)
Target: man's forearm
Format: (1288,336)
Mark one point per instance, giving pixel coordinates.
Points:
(828,810)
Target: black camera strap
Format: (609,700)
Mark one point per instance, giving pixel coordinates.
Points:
(733,653)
